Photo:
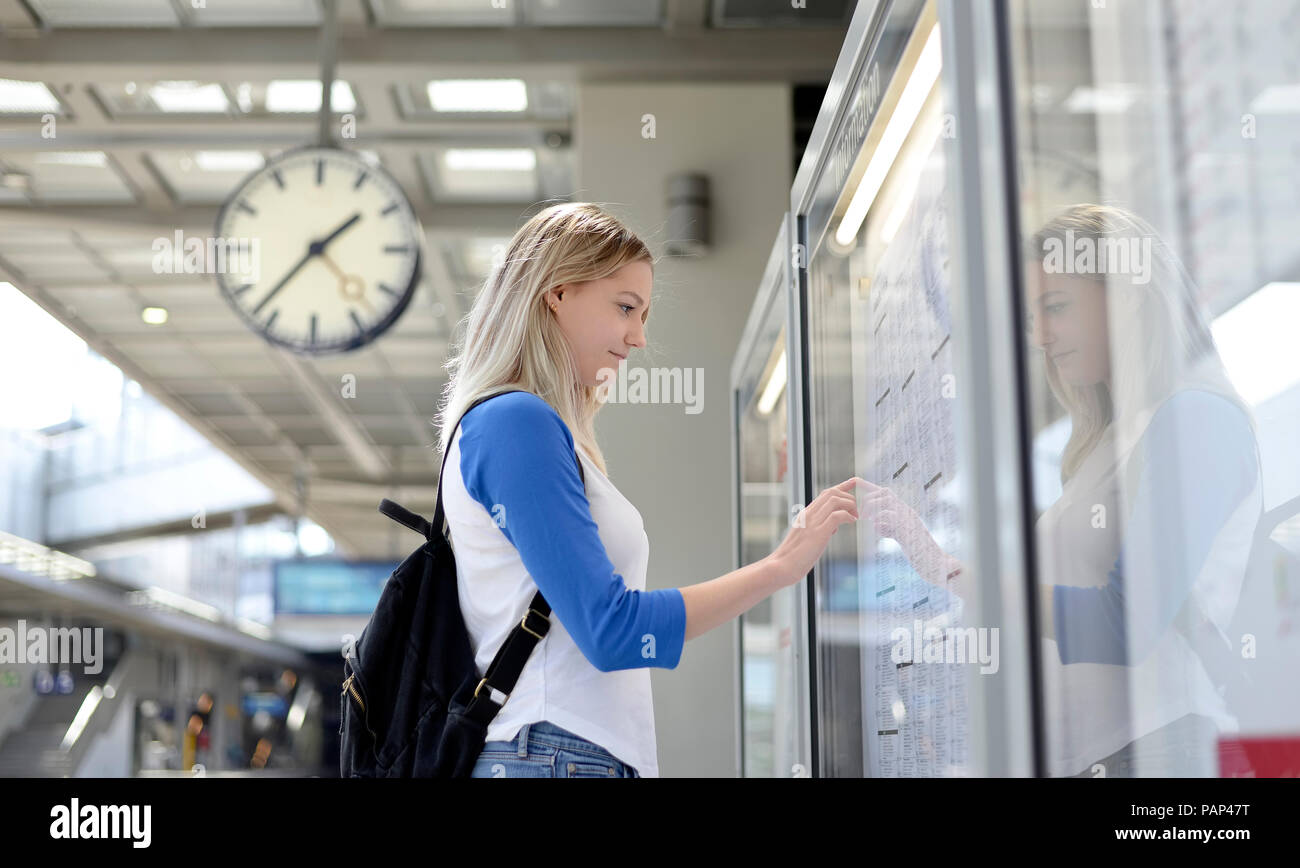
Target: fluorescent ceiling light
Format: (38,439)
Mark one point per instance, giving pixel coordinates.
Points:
(253,628)
(228,161)
(915,92)
(490,159)
(1108,99)
(188,96)
(73,158)
(910,178)
(1278,99)
(314,539)
(478,95)
(19,97)
(171,600)
(775,386)
(1256,339)
(304,96)
(82,717)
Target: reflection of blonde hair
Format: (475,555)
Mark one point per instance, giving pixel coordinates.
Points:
(1160,342)
(512,340)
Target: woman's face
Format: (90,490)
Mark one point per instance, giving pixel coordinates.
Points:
(604,319)
(1066,318)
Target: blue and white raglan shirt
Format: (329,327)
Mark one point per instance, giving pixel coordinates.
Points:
(520,519)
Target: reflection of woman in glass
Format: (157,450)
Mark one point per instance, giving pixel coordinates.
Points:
(1145,550)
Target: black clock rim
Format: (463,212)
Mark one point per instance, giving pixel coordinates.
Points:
(335,347)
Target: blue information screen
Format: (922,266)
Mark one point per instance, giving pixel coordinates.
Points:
(329,587)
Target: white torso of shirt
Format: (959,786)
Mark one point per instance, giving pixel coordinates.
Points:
(558,684)
(1094,709)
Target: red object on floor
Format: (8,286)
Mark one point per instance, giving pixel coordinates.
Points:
(1260,757)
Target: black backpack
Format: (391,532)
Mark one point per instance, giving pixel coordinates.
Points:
(413,704)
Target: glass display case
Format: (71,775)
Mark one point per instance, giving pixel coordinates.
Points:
(1044,266)
(1157,276)
(773,714)
(892,643)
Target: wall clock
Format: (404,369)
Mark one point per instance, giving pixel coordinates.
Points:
(339,250)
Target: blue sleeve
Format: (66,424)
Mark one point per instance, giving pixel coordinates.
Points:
(1198,464)
(517,459)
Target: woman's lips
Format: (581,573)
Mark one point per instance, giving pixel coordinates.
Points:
(616,355)
(1060,356)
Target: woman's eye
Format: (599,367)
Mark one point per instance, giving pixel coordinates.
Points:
(627,308)
(1057,308)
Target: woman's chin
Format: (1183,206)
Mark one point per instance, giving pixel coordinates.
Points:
(1079,382)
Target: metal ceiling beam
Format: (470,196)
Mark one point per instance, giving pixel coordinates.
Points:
(334,491)
(212,521)
(450,221)
(217,131)
(601,54)
(341,424)
(685,16)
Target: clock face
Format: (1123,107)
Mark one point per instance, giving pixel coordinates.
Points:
(336,250)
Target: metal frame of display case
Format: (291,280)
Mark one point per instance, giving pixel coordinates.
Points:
(774,289)
(815,157)
(992,443)
(996,439)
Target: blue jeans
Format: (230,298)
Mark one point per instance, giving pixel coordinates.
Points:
(544,750)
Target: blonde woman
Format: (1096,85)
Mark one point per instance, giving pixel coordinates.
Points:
(1143,555)
(567,306)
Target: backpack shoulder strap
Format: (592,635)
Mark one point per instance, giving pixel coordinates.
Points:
(402,515)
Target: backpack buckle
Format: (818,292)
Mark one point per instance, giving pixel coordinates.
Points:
(523,622)
(493,693)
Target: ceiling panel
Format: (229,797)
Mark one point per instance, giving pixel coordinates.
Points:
(66,176)
(593,13)
(781,13)
(444,13)
(255,13)
(105,13)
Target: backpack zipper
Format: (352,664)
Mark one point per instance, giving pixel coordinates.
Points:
(347,685)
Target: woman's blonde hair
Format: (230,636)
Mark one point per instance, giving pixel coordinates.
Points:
(1160,342)
(511,339)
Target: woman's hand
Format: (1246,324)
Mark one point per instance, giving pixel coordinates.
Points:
(812,528)
(895,519)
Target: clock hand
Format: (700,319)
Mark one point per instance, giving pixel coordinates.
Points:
(316,248)
(338,272)
(279,286)
(348,283)
(319,246)
(353,281)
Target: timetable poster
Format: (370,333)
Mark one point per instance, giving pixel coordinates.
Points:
(905,390)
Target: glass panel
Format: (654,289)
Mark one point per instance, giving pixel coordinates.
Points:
(1161,254)
(773,648)
(890,641)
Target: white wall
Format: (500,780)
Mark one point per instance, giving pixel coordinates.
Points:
(109,756)
(676,467)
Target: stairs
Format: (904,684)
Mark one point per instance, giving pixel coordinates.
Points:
(35,749)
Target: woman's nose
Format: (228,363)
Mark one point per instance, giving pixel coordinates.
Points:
(1038,333)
